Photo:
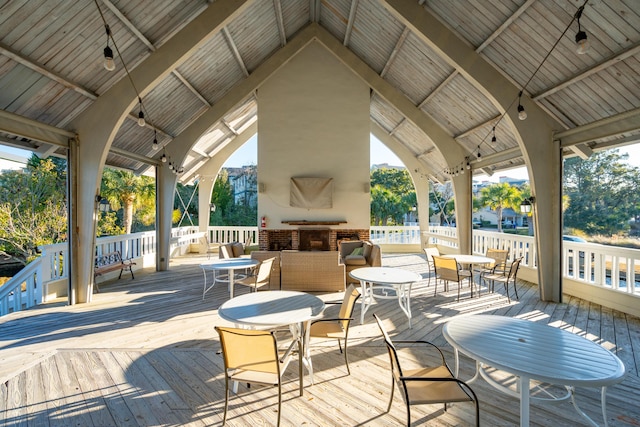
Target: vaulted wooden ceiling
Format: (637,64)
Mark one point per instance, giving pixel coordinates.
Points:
(51,70)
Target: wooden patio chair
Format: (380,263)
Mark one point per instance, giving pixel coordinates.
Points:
(447,269)
(338,327)
(425,385)
(260,275)
(429,253)
(506,278)
(251,356)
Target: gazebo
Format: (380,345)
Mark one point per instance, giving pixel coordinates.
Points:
(451,87)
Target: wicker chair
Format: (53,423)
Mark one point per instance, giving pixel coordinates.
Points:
(425,385)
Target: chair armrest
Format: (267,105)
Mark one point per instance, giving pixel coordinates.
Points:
(423,342)
(332,319)
(443,379)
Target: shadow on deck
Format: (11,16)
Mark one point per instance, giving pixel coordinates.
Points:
(144,352)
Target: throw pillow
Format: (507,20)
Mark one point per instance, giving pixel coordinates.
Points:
(358,251)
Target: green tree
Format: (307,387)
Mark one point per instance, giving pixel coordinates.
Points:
(384,206)
(228,212)
(602,193)
(392,196)
(222,197)
(500,196)
(33,208)
(129,192)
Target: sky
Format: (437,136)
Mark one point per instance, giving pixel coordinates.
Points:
(248,154)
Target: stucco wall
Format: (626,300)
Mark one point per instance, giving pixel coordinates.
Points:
(314,122)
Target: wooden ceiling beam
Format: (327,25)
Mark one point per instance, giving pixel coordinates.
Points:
(395,51)
(235,51)
(10,53)
(612,60)
(352,18)
(619,124)
(277,5)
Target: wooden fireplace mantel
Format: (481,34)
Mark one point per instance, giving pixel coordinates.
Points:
(305,222)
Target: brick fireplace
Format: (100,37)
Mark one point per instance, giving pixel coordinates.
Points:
(307,238)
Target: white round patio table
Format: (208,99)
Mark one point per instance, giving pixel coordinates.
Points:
(271,309)
(533,351)
(228,264)
(397,280)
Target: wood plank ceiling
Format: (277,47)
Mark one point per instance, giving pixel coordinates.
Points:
(51,70)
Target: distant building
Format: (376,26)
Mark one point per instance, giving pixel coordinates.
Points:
(386,166)
(243,182)
(516,182)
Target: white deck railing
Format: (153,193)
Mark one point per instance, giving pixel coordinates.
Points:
(397,235)
(606,267)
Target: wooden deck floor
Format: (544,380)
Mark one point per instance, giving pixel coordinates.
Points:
(144,354)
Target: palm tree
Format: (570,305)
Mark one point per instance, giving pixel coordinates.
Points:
(130,192)
(500,196)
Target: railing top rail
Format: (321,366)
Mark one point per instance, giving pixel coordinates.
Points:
(17,280)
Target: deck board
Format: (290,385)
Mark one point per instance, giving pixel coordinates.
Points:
(145,352)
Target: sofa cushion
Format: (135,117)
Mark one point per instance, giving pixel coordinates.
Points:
(238,249)
(355,260)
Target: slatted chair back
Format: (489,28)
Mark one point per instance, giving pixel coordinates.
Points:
(338,327)
(513,270)
(251,356)
(427,384)
(351,295)
(263,356)
(500,256)
(263,275)
(430,252)
(396,369)
(446,269)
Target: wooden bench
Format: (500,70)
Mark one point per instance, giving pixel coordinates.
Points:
(112,261)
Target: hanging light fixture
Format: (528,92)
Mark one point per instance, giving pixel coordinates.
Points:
(155,140)
(582,43)
(109,63)
(493,138)
(141,121)
(522,114)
